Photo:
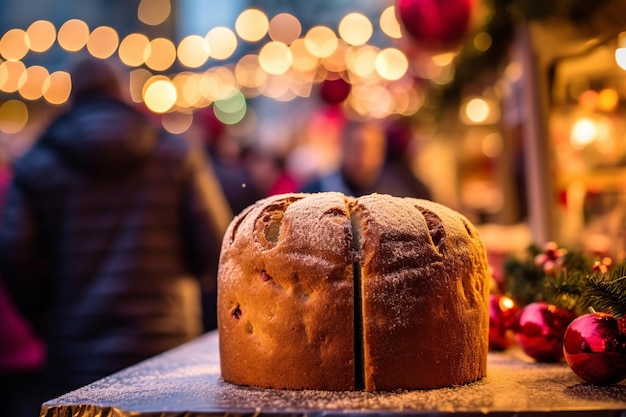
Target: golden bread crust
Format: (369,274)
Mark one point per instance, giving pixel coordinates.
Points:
(287,301)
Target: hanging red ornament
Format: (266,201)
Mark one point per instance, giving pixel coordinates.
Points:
(335,90)
(595,348)
(502,313)
(539,330)
(435,25)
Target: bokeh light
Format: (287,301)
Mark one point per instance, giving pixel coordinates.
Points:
(177,122)
(132,49)
(231,110)
(31,82)
(321,41)
(153,12)
(57,87)
(159,94)
(103,42)
(389,23)
(13,116)
(285,28)
(14,44)
(73,35)
(252,25)
(160,54)
(41,35)
(222,42)
(302,60)
(391,64)
(193,51)
(355,29)
(275,58)
(10,75)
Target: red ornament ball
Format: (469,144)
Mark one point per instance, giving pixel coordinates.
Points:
(502,314)
(335,90)
(595,349)
(539,330)
(435,24)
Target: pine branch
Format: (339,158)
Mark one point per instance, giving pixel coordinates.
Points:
(607,295)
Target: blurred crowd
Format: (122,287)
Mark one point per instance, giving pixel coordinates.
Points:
(111,230)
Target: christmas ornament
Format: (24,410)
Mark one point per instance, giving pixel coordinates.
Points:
(435,24)
(595,348)
(551,258)
(539,330)
(335,90)
(502,314)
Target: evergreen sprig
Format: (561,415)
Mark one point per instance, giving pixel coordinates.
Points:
(607,294)
(574,284)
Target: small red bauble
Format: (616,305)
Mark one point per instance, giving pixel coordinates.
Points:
(335,90)
(435,24)
(502,313)
(595,349)
(539,330)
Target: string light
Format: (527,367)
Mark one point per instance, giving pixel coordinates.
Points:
(286,66)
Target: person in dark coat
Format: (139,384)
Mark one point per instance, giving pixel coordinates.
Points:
(109,227)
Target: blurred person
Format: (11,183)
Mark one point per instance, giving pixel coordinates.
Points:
(364,167)
(110,229)
(268,172)
(398,176)
(226,156)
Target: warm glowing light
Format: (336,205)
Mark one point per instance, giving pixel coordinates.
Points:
(132,49)
(231,110)
(222,42)
(14,44)
(248,72)
(285,28)
(137,80)
(277,88)
(189,90)
(444,59)
(252,25)
(42,35)
(103,42)
(302,61)
(73,35)
(608,99)
(160,54)
(336,62)
(177,122)
(153,12)
(355,29)
(620,57)
(159,94)
(476,110)
(391,64)
(482,41)
(389,23)
(321,41)
(31,82)
(193,51)
(57,87)
(10,75)
(362,61)
(13,116)
(492,145)
(583,133)
(588,99)
(218,83)
(275,58)
(371,101)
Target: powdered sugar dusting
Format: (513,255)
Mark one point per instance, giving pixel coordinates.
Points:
(187,381)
